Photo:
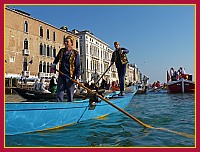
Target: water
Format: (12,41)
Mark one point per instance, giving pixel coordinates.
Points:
(172,111)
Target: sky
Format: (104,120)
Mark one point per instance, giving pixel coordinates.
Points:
(158,37)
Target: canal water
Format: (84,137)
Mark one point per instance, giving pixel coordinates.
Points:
(175,112)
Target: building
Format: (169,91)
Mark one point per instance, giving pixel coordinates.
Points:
(95,56)
(31,44)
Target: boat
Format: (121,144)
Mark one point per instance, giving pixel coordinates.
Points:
(32,95)
(141,89)
(29,117)
(181,86)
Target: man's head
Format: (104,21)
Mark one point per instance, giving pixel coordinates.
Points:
(117,45)
(69,40)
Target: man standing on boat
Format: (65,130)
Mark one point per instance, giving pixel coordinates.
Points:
(69,64)
(120,59)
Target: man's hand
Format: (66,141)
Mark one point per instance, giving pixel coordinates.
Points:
(77,80)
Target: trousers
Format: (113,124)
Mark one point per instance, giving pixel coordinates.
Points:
(121,70)
(63,85)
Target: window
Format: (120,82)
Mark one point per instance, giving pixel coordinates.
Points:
(25,64)
(25,43)
(47,50)
(47,33)
(81,50)
(40,66)
(26,26)
(48,68)
(41,31)
(50,51)
(54,52)
(12,59)
(54,36)
(44,50)
(41,48)
(77,44)
(87,65)
(44,67)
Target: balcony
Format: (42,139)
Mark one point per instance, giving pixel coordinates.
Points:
(44,75)
(26,52)
(26,73)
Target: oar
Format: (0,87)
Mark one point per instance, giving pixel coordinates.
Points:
(99,79)
(103,74)
(121,110)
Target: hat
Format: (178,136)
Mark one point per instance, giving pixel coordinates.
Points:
(115,43)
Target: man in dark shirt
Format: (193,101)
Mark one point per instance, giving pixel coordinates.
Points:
(69,64)
(120,59)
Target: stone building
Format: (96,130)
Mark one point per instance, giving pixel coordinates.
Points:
(31,44)
(95,56)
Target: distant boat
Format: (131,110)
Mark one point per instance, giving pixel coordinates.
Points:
(183,85)
(32,95)
(26,117)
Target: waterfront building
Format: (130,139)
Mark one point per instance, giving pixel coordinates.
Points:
(95,56)
(31,45)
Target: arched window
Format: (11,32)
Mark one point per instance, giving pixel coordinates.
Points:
(48,68)
(54,52)
(25,43)
(40,66)
(44,67)
(41,31)
(25,26)
(47,50)
(47,33)
(54,36)
(44,50)
(41,48)
(87,64)
(50,51)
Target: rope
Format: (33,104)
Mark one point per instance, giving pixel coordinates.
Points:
(83,114)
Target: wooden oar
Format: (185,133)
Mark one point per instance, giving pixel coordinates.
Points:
(103,74)
(121,110)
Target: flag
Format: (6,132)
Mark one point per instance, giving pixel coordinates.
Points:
(31,61)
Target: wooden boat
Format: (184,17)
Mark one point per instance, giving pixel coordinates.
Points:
(32,95)
(27,117)
(181,86)
(141,90)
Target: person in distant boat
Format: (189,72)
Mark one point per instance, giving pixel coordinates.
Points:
(43,88)
(182,71)
(36,85)
(173,74)
(53,84)
(95,76)
(69,64)
(121,60)
(115,87)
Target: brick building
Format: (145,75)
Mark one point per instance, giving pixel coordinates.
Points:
(31,44)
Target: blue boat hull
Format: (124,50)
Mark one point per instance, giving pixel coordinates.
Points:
(26,117)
